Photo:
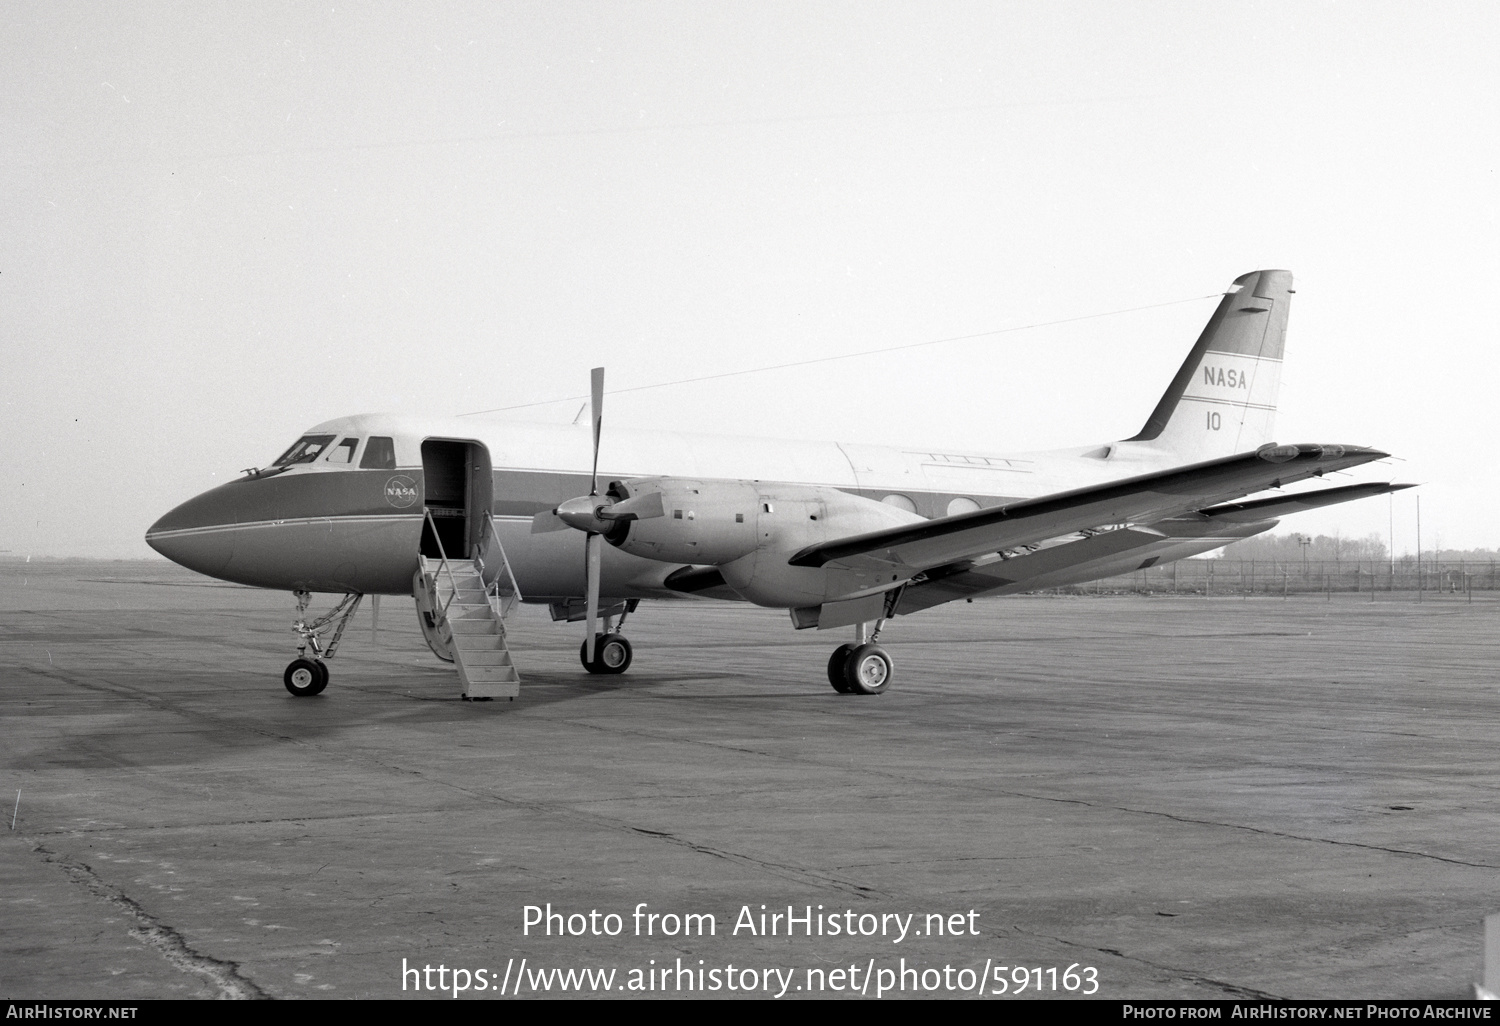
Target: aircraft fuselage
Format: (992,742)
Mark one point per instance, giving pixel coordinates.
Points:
(332,525)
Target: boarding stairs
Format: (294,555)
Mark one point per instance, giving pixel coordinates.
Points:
(474,615)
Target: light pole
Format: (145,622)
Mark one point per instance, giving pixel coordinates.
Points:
(1304,541)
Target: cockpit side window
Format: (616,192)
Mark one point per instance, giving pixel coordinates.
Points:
(380,454)
(305,450)
(344,451)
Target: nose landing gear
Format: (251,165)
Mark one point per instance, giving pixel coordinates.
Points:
(306,677)
(612,652)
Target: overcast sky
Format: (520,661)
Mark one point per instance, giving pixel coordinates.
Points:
(222,223)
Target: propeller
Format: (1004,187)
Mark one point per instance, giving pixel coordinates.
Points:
(593,539)
(596,515)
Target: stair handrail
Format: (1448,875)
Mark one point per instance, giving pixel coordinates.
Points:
(489,525)
(443,561)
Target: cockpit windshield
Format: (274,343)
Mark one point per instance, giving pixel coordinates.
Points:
(343,452)
(305,450)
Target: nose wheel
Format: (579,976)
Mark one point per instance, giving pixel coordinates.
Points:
(612,654)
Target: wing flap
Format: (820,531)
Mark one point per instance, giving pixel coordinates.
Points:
(1074,562)
(1146,498)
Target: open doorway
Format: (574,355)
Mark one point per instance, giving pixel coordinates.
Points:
(458,491)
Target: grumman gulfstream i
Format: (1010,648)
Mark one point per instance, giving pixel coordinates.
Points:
(468,517)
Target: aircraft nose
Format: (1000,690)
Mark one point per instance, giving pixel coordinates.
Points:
(199,534)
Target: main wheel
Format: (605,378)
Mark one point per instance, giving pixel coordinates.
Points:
(869,670)
(836,663)
(612,654)
(305,677)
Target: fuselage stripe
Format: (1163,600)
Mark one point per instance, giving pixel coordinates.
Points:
(357,518)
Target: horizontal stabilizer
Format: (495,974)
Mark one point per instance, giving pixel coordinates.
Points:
(1283,505)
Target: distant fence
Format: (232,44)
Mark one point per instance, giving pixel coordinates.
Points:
(1293,577)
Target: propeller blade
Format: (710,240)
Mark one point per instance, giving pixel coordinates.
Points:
(547,520)
(593,546)
(596,397)
(640,507)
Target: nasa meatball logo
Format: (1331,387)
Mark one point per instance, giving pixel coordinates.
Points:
(401,491)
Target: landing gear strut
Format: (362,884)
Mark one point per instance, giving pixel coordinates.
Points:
(306,677)
(863,668)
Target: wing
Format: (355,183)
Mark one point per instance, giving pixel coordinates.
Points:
(1089,557)
(1145,499)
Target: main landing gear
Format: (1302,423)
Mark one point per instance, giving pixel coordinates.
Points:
(612,651)
(306,677)
(863,668)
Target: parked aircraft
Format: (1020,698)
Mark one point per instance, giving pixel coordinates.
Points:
(468,516)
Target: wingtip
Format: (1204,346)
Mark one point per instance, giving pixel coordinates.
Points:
(1319,452)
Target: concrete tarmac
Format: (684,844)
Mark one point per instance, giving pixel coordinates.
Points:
(1193,798)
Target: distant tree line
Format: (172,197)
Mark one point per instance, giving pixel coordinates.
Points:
(1288,548)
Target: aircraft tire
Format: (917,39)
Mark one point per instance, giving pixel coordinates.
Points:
(305,677)
(869,670)
(836,664)
(612,654)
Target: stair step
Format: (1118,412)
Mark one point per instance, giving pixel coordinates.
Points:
(494,657)
(471,648)
(475,626)
(508,689)
(484,664)
(491,674)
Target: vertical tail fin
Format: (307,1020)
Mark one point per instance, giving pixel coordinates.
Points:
(1223,400)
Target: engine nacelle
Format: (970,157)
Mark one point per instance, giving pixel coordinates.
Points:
(749,529)
(705,522)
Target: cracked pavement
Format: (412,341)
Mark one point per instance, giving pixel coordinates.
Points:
(1202,798)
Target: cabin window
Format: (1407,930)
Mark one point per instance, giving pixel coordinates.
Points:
(306,449)
(380,454)
(343,452)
